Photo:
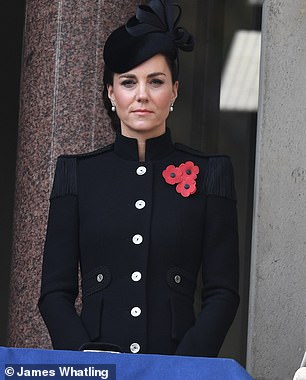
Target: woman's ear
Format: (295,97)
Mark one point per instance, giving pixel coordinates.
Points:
(175,91)
(110,92)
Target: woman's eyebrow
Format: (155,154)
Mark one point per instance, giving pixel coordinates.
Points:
(132,76)
(127,76)
(156,74)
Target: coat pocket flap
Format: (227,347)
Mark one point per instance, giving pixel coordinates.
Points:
(95,280)
(181,281)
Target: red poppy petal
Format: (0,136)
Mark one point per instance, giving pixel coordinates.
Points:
(196,169)
(186,188)
(189,169)
(194,189)
(172,174)
(189,177)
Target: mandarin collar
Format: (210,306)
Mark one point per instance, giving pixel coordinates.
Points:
(156,147)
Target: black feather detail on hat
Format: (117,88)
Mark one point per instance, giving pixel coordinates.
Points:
(158,16)
(153,30)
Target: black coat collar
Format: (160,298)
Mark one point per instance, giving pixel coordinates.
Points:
(156,148)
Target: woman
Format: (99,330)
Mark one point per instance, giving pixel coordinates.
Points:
(142,215)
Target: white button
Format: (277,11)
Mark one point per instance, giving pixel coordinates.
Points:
(141,170)
(136,311)
(136,276)
(140,204)
(177,279)
(135,347)
(137,239)
(100,277)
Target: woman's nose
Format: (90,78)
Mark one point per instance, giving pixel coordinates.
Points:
(142,93)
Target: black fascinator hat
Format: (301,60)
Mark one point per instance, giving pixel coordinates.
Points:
(153,30)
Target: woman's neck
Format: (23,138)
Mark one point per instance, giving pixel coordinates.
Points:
(141,150)
(142,138)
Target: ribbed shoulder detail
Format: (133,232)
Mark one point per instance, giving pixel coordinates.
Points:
(219,179)
(65,179)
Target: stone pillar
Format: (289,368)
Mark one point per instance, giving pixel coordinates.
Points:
(61,112)
(276,340)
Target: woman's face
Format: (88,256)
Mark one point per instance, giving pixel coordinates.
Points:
(143,97)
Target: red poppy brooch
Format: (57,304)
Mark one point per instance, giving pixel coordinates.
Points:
(183,176)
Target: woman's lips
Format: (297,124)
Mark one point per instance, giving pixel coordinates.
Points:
(142,111)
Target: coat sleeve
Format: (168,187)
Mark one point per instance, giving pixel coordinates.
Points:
(220,264)
(59,287)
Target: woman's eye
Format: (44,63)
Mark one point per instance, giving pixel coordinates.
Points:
(128,83)
(157,82)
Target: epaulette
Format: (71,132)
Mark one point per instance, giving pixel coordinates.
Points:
(219,177)
(65,179)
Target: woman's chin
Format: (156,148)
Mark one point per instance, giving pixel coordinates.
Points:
(143,129)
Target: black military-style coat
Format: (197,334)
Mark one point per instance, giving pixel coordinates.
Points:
(140,245)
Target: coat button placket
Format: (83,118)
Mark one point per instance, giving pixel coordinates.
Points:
(136,277)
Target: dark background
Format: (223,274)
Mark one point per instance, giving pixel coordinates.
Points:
(11,31)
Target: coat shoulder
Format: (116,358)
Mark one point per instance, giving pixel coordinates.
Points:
(199,153)
(187,149)
(65,178)
(94,153)
(218,176)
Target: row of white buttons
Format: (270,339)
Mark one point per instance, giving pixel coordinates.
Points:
(136,276)
(135,312)
(140,204)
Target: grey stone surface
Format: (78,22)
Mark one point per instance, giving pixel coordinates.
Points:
(61,111)
(276,340)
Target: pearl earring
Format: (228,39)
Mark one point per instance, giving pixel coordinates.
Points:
(172,107)
(113,107)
